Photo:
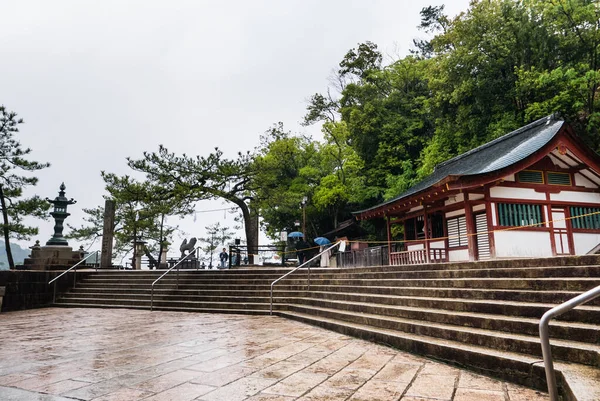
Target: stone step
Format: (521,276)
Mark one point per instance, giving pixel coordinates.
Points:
(582,383)
(547,284)
(571,351)
(548,297)
(514,367)
(524,272)
(582,314)
(576,382)
(165,303)
(171,308)
(377,304)
(544,296)
(567,283)
(173,296)
(530,272)
(575,331)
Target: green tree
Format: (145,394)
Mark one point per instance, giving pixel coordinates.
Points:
(13,162)
(569,81)
(287,170)
(216,236)
(141,211)
(211,177)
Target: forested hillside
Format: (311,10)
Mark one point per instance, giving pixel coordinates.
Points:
(491,69)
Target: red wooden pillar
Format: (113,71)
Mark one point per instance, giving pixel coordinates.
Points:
(389,239)
(471,231)
(426,230)
(490,223)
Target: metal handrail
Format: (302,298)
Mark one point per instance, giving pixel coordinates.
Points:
(176,265)
(292,271)
(74,275)
(545,335)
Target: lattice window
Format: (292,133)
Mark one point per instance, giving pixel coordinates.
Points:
(555,178)
(589,220)
(531,176)
(457,232)
(517,214)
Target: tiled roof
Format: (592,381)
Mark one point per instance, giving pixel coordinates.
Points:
(492,156)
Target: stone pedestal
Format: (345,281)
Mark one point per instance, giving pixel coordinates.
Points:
(51,257)
(138,262)
(162,263)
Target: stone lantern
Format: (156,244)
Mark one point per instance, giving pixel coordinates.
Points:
(56,254)
(60,214)
(138,251)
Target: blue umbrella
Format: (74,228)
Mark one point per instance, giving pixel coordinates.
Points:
(322,241)
(295,234)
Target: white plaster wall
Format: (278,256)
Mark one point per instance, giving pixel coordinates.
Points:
(509,178)
(476,196)
(414,209)
(514,243)
(585,242)
(455,199)
(571,196)
(437,244)
(477,208)
(516,193)
(415,247)
(459,212)
(584,182)
(493,210)
(458,255)
(559,160)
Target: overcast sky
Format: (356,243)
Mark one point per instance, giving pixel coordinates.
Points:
(97,81)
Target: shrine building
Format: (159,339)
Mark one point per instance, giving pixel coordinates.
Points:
(534,192)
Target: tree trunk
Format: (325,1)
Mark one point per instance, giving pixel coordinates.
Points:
(9,256)
(252,233)
(250,227)
(161,240)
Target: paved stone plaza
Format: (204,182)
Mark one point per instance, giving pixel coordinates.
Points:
(58,354)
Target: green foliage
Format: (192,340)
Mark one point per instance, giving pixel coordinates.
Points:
(141,211)
(216,236)
(211,177)
(13,163)
(489,70)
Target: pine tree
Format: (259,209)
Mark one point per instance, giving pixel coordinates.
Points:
(12,164)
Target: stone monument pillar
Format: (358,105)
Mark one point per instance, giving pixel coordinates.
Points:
(108,234)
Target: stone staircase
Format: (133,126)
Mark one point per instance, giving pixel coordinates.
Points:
(483,316)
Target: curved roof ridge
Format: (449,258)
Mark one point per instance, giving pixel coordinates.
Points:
(492,156)
(543,120)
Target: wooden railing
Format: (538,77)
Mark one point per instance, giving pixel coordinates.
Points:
(418,256)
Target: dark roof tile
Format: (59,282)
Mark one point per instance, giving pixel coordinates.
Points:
(492,156)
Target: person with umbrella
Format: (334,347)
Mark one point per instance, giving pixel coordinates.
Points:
(300,246)
(323,243)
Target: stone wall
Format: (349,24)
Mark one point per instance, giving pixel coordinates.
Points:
(25,289)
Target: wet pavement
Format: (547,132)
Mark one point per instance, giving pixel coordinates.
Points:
(56,354)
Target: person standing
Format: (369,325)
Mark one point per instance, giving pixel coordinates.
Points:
(301,247)
(324,256)
(224,257)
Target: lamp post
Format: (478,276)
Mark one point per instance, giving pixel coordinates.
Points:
(304,201)
(60,214)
